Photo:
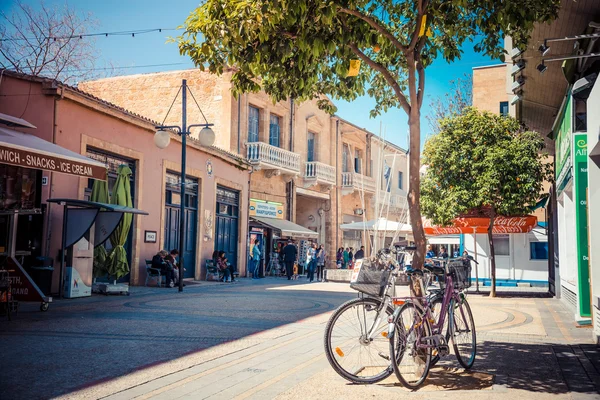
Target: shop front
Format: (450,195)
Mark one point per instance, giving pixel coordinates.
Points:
(272,231)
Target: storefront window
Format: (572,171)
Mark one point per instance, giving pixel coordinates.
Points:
(538,250)
(19,188)
(501,245)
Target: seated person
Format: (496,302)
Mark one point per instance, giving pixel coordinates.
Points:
(159,263)
(222,265)
(430,253)
(172,259)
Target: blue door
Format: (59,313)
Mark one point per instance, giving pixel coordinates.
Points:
(226,224)
(172,220)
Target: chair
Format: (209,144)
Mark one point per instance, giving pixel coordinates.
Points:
(212,271)
(153,273)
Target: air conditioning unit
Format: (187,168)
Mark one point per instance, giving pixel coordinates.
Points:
(359,211)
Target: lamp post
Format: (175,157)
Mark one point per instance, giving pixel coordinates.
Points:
(162,139)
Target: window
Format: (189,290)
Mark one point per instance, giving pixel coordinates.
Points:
(274,130)
(310,153)
(501,245)
(538,250)
(580,117)
(357,161)
(400,180)
(253,118)
(345,158)
(504,108)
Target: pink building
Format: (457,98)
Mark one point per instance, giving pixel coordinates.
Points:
(217,198)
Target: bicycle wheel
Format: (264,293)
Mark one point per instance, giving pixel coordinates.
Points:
(351,353)
(462,332)
(412,359)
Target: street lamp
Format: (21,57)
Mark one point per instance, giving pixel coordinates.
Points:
(162,138)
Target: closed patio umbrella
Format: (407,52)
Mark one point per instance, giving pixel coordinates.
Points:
(117,260)
(100,195)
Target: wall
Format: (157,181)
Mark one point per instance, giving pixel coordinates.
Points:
(490,87)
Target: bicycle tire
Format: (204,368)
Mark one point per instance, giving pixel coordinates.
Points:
(402,333)
(466,363)
(334,352)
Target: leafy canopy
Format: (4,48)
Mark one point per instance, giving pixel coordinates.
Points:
(482,161)
(303,48)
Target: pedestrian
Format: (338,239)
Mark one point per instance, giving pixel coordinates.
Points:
(255,259)
(159,263)
(430,253)
(351,258)
(172,259)
(321,255)
(346,258)
(360,254)
(290,254)
(223,267)
(339,257)
(443,253)
(312,264)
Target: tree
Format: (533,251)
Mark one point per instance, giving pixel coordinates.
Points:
(455,101)
(482,164)
(304,49)
(47,42)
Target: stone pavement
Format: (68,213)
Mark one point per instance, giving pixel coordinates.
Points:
(264,339)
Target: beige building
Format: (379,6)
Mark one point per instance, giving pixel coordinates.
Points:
(311,171)
(490,89)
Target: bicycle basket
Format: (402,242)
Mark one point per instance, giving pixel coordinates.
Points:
(460,270)
(369,279)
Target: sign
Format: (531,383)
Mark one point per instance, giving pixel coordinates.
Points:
(29,159)
(563,147)
(209,168)
(580,176)
(22,287)
(502,225)
(149,236)
(356,271)
(260,208)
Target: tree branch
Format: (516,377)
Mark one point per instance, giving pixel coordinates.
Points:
(377,26)
(386,74)
(421,12)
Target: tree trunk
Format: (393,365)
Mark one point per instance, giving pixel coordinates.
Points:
(492,255)
(414,183)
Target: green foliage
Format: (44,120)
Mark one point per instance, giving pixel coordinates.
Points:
(482,161)
(303,48)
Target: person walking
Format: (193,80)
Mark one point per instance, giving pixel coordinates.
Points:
(312,264)
(255,259)
(290,254)
(339,257)
(360,254)
(346,258)
(321,263)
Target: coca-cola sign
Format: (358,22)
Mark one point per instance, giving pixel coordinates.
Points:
(502,225)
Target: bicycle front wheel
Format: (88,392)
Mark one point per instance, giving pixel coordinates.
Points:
(410,348)
(462,332)
(356,341)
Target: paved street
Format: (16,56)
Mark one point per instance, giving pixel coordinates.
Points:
(264,339)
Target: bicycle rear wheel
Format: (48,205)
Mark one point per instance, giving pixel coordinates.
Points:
(411,360)
(349,350)
(462,332)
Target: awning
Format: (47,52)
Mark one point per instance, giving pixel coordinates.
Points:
(444,240)
(29,151)
(286,227)
(480,225)
(377,225)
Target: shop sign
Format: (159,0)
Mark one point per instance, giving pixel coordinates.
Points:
(502,225)
(260,208)
(580,190)
(563,146)
(28,159)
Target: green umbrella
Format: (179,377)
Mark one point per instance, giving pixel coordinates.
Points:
(100,195)
(117,260)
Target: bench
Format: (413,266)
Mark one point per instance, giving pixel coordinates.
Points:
(153,273)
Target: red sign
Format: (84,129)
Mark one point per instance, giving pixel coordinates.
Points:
(480,225)
(22,286)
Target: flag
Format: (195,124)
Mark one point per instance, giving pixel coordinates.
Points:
(387,171)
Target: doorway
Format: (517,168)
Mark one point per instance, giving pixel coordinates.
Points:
(226,224)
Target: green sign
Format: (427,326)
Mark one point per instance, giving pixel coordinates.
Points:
(563,146)
(580,190)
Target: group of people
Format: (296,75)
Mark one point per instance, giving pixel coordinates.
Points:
(315,261)
(345,258)
(166,263)
(443,253)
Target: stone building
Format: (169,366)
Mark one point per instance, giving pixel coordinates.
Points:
(311,171)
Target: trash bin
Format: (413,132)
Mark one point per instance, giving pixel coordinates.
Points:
(42,272)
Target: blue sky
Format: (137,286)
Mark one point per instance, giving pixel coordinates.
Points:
(142,53)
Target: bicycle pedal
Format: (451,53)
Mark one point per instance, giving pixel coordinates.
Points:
(443,350)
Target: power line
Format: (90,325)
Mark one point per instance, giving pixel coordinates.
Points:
(131,33)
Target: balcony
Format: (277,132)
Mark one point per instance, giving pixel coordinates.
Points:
(273,160)
(352,181)
(318,173)
(396,202)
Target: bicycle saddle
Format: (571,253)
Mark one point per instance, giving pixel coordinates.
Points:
(411,271)
(434,269)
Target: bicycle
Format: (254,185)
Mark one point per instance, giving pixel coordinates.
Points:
(356,333)
(413,331)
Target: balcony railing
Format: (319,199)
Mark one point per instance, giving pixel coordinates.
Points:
(316,172)
(264,156)
(394,200)
(352,181)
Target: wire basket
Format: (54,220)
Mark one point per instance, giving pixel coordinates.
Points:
(460,270)
(369,279)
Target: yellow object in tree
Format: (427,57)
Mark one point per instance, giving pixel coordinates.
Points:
(354,67)
(423,27)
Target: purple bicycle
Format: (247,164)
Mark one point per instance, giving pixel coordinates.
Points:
(420,331)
